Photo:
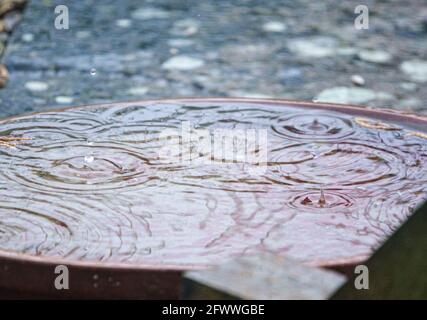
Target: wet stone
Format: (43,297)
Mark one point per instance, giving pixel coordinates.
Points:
(27,37)
(242,45)
(351,95)
(358,80)
(36,86)
(415,69)
(182,63)
(186,27)
(291,76)
(124,23)
(274,26)
(317,47)
(150,13)
(180,43)
(64,100)
(138,91)
(375,56)
(409,86)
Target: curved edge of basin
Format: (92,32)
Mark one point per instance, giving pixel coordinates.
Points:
(28,276)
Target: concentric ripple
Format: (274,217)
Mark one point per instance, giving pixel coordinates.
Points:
(388,211)
(321,199)
(106,183)
(72,167)
(337,165)
(314,127)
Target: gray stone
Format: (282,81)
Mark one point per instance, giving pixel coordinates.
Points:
(64,99)
(415,69)
(124,23)
(274,26)
(375,56)
(138,91)
(409,86)
(27,37)
(291,76)
(83,34)
(185,27)
(351,95)
(182,63)
(316,47)
(150,13)
(240,54)
(410,104)
(180,43)
(358,80)
(36,86)
(346,51)
(237,53)
(248,94)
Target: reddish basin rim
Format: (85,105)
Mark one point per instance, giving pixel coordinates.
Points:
(10,257)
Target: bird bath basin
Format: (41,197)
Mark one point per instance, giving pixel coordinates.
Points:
(129,194)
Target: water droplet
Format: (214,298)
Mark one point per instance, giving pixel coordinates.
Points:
(93,71)
(322,199)
(306,201)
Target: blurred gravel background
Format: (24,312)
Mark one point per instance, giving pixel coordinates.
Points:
(129,49)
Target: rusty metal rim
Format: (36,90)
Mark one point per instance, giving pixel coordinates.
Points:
(392,114)
(388,114)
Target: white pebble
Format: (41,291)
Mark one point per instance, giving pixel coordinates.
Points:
(358,80)
(274,26)
(182,63)
(27,37)
(123,23)
(351,95)
(415,69)
(64,99)
(150,13)
(138,91)
(36,86)
(375,56)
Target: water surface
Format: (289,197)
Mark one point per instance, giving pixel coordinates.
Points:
(88,184)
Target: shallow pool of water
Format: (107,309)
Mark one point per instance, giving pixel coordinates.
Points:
(107,184)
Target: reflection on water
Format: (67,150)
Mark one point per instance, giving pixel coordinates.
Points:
(88,184)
